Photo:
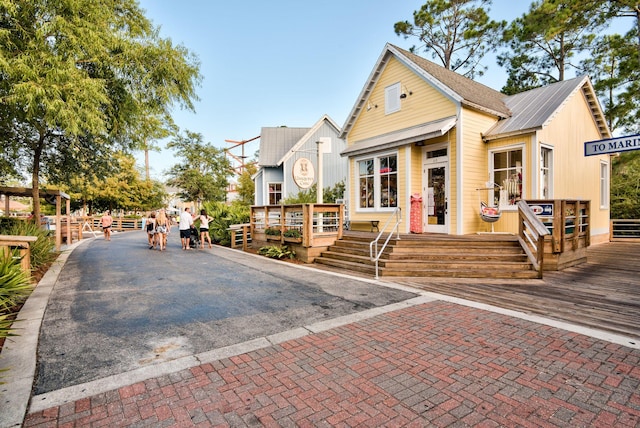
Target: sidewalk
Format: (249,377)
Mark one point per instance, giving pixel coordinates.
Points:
(429,360)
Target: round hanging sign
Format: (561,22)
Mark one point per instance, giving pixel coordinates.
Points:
(303,173)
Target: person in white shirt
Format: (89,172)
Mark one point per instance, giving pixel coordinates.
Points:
(186,221)
(204,228)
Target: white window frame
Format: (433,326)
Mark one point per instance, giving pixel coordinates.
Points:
(503,203)
(549,168)
(392,98)
(268,201)
(377,185)
(604,185)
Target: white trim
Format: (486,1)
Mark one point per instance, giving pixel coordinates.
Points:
(535,164)
(408,187)
(306,137)
(607,193)
(551,190)
(523,147)
(376,182)
(459,175)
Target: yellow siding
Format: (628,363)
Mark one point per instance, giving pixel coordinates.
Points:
(509,221)
(476,168)
(576,176)
(424,105)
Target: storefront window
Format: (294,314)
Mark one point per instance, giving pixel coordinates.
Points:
(378,182)
(546,165)
(507,172)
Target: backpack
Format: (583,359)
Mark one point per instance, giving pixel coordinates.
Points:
(150,226)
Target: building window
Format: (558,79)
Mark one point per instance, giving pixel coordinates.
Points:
(275,193)
(378,182)
(392,98)
(604,185)
(507,172)
(546,173)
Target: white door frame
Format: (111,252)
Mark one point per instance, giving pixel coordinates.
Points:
(442,225)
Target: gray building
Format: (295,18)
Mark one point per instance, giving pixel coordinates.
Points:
(281,147)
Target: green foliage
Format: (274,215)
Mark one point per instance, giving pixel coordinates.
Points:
(625,186)
(458,33)
(272,231)
(78,80)
(223,217)
(42,250)
(277,252)
(15,285)
(203,172)
(309,196)
(292,233)
(246,187)
(543,41)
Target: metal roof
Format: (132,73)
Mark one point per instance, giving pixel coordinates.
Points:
(533,109)
(276,142)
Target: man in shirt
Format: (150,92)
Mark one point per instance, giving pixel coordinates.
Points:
(186,221)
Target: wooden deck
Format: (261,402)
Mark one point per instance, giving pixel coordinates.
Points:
(603,293)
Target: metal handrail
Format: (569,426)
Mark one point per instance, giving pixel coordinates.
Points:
(398,214)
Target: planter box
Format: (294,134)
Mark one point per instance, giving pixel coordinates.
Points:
(291,239)
(273,237)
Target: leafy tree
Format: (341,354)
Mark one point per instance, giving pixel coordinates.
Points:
(625,186)
(246,187)
(543,42)
(614,68)
(456,32)
(78,79)
(124,189)
(203,172)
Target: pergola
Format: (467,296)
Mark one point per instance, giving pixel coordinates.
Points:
(46,194)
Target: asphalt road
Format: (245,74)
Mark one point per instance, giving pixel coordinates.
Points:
(118,306)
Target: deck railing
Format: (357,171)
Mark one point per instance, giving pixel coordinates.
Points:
(316,224)
(531,233)
(567,220)
(374,251)
(625,229)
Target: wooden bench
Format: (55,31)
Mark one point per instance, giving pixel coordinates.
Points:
(373,223)
(10,243)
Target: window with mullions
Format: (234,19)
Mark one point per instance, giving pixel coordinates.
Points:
(546,171)
(275,193)
(378,182)
(507,172)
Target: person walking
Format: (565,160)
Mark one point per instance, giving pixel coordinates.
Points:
(151,229)
(106,222)
(186,221)
(162,229)
(204,228)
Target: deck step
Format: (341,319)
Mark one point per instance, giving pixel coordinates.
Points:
(474,256)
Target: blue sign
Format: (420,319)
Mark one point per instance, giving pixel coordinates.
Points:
(612,145)
(542,210)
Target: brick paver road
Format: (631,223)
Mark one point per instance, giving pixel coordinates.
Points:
(435,364)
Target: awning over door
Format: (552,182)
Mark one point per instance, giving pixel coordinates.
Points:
(400,138)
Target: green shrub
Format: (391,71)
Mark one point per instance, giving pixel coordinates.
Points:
(293,233)
(15,284)
(272,231)
(277,252)
(223,217)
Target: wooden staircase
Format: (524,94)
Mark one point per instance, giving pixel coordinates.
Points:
(469,256)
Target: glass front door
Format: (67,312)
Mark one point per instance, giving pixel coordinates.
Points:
(435,198)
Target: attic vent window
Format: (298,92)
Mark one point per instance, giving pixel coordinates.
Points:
(392,98)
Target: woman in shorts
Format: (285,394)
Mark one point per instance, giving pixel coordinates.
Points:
(204,228)
(162,229)
(151,229)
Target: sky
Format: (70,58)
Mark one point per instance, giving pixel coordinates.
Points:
(283,62)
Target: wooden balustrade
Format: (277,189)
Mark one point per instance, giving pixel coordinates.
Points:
(319,225)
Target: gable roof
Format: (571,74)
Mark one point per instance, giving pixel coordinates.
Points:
(455,86)
(534,109)
(276,142)
(305,138)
